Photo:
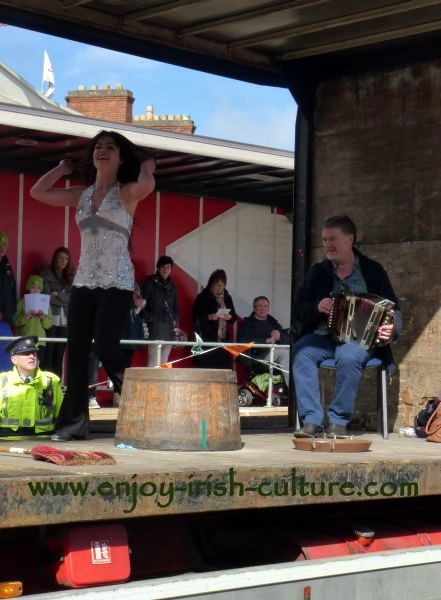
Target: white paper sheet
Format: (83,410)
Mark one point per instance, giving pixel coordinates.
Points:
(37,303)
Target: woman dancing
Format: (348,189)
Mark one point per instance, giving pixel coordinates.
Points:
(104,283)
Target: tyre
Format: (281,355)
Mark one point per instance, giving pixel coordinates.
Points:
(245,397)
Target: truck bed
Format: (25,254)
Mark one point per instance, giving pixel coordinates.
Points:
(266,472)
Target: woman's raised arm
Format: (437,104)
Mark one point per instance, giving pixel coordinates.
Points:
(43,189)
(133,192)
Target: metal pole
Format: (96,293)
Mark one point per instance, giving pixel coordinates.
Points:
(158,354)
(270,380)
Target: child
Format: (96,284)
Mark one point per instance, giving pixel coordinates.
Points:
(33,323)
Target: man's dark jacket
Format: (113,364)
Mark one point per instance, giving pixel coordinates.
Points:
(8,294)
(319,283)
(256,330)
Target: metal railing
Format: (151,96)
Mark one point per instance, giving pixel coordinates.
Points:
(160,343)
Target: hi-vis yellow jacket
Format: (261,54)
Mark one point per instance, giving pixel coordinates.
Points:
(29,405)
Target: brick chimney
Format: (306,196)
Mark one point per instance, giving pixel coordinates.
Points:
(106,103)
(176,123)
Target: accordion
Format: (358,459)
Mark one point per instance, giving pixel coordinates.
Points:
(357,318)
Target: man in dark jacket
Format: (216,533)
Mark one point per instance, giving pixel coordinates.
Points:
(260,327)
(8,292)
(345,269)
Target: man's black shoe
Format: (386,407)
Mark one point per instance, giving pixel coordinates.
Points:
(61,437)
(309,430)
(336,430)
(66,437)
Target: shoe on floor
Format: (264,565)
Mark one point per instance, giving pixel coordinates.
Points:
(93,403)
(66,437)
(336,430)
(309,430)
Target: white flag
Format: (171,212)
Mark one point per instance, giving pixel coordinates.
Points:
(48,75)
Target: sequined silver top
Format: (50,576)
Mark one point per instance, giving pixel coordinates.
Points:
(104,258)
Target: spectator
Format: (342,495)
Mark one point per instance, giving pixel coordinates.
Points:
(57,282)
(8,291)
(135,328)
(260,327)
(212,311)
(161,310)
(33,323)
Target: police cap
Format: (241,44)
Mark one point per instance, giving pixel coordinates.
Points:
(27,343)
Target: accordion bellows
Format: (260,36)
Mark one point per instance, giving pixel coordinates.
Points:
(357,318)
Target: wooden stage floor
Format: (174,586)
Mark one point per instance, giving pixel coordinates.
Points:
(266,472)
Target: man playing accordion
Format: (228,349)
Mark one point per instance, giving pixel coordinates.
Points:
(345,269)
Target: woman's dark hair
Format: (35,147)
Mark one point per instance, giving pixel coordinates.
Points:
(164,260)
(342,222)
(218,275)
(67,274)
(128,152)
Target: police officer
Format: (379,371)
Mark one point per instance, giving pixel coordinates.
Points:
(30,399)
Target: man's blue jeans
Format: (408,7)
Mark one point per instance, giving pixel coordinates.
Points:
(350,358)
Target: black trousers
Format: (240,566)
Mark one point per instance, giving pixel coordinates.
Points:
(53,356)
(100,314)
(216,359)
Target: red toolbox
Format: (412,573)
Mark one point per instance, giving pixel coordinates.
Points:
(89,555)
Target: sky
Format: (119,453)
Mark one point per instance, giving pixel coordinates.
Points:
(220,107)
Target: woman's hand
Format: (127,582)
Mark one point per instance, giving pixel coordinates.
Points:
(149,164)
(67,166)
(54,294)
(275,335)
(41,315)
(226,317)
(138,301)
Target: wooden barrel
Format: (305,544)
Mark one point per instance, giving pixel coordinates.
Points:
(179,409)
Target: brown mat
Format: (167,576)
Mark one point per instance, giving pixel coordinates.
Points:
(331,445)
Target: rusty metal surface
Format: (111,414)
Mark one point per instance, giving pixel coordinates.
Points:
(266,472)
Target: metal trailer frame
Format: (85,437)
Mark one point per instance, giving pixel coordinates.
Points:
(396,575)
